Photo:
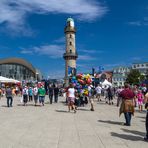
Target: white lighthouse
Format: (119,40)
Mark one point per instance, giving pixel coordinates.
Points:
(70,55)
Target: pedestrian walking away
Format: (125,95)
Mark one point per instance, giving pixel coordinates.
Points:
(41,93)
(91,97)
(30,93)
(127,105)
(25,95)
(56,94)
(98,92)
(50,93)
(9,96)
(35,94)
(71,98)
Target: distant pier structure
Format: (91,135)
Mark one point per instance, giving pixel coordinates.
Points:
(70,55)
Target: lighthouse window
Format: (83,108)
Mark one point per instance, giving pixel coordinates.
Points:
(70,51)
(70,36)
(70,43)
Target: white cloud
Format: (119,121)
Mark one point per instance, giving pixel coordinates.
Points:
(112,65)
(136,58)
(86,57)
(57,50)
(143,22)
(53,51)
(56,74)
(92,51)
(24,51)
(60,40)
(136,23)
(13,13)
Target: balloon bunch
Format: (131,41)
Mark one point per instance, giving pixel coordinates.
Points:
(81,82)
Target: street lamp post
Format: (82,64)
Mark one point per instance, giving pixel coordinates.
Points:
(37,76)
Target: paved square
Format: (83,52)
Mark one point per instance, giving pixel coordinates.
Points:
(52,126)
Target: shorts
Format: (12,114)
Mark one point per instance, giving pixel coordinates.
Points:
(71,100)
(140,102)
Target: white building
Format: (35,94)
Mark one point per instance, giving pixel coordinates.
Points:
(120,75)
(142,67)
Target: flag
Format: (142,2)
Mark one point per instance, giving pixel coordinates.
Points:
(101,68)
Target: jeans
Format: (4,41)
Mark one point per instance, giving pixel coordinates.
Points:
(55,98)
(9,101)
(25,98)
(50,98)
(128,116)
(41,99)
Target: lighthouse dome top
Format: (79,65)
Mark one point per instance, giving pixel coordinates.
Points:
(70,19)
(70,22)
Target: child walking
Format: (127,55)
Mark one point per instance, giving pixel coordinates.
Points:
(140,99)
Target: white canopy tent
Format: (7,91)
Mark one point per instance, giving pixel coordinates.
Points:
(106,84)
(7,80)
(15,81)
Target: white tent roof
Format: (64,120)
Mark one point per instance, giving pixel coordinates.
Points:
(15,81)
(106,83)
(6,80)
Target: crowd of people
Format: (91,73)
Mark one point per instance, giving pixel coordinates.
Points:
(127,97)
(28,93)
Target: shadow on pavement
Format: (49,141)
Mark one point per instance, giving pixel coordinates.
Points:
(140,117)
(27,105)
(62,111)
(4,106)
(101,102)
(111,122)
(63,102)
(127,137)
(134,132)
(143,121)
(83,109)
(142,112)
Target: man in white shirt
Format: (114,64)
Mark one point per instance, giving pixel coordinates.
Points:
(98,92)
(91,97)
(35,94)
(71,97)
(25,95)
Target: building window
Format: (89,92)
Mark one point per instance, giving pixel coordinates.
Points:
(70,36)
(70,43)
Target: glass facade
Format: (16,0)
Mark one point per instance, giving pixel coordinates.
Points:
(16,71)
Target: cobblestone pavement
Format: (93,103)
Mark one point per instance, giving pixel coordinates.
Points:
(52,126)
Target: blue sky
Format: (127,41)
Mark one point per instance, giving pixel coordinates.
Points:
(109,32)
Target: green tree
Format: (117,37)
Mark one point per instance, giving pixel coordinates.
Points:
(134,77)
(146,76)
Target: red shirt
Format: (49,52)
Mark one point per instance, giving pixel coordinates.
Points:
(127,94)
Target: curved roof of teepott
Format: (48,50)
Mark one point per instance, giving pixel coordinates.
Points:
(18,61)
